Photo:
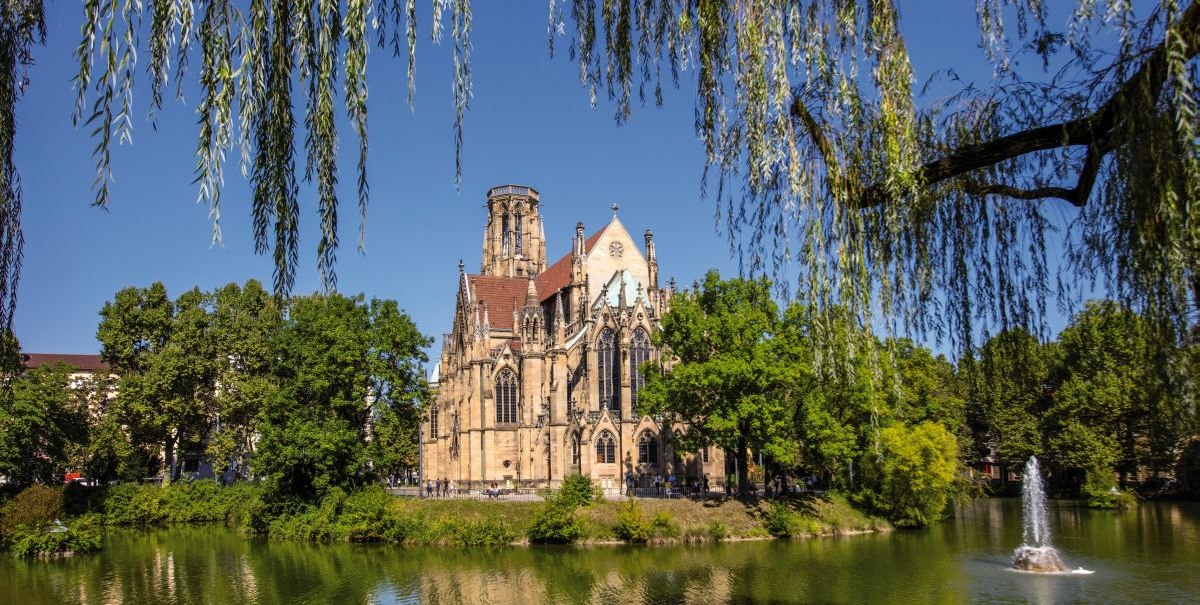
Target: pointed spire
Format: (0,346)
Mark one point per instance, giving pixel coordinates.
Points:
(460,266)
(531,295)
(559,316)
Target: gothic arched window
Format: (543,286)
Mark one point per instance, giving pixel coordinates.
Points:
(607,360)
(606,449)
(517,231)
(506,397)
(504,230)
(639,353)
(576,450)
(647,448)
(433,421)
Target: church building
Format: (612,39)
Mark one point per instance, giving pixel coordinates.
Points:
(539,375)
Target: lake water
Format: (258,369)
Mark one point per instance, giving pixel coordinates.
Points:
(1151,555)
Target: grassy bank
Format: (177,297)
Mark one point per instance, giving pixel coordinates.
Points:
(373,515)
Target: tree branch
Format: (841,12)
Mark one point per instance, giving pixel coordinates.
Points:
(1037,193)
(1094,130)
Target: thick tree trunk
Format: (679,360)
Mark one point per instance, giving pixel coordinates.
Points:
(743,473)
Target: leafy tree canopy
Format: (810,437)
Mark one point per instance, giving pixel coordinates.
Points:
(727,379)
(341,362)
(41,418)
(913,473)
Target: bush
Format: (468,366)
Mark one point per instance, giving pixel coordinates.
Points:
(912,478)
(180,502)
(1100,491)
(781,522)
(81,536)
(717,531)
(35,506)
(554,523)
(484,533)
(664,526)
(309,523)
(364,515)
(631,524)
(578,490)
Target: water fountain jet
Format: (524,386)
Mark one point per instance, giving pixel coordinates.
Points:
(1035,553)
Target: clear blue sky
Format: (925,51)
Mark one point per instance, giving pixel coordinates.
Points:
(529,123)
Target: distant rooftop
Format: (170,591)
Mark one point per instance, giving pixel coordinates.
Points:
(86,363)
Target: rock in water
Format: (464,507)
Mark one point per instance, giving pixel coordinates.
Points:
(1039,559)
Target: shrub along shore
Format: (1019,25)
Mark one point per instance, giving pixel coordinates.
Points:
(32,522)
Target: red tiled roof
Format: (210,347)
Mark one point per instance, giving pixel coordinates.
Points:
(553,279)
(500,294)
(87,363)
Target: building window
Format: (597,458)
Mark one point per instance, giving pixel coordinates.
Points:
(639,353)
(606,449)
(704,454)
(517,234)
(607,358)
(647,448)
(506,397)
(504,230)
(433,421)
(576,450)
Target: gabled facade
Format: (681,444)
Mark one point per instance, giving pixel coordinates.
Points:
(539,375)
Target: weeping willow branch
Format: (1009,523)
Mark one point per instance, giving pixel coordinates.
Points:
(1093,131)
(22,26)
(258,60)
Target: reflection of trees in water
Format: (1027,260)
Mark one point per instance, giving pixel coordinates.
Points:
(958,561)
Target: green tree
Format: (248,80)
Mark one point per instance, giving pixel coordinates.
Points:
(1009,387)
(394,445)
(42,417)
(339,361)
(913,474)
(928,388)
(1112,410)
(165,356)
(245,322)
(726,381)
(837,408)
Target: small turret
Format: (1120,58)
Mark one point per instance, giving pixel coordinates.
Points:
(533,334)
(651,260)
(560,320)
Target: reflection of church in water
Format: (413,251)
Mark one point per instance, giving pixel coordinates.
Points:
(538,377)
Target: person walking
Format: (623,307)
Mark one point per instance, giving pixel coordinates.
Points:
(429,488)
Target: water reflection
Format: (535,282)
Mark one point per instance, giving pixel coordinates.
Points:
(1145,556)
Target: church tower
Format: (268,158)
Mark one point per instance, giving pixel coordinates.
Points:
(514,243)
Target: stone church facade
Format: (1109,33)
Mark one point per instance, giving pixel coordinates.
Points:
(539,376)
